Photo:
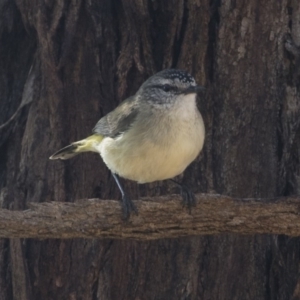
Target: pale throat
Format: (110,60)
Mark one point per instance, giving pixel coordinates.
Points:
(185,106)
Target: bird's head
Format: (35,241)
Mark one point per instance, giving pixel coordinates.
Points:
(168,86)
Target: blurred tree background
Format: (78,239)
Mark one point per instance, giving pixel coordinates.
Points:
(64,64)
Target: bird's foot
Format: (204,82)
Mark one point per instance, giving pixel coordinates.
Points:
(128,207)
(188,197)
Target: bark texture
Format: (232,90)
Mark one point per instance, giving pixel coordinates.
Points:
(161,218)
(64,64)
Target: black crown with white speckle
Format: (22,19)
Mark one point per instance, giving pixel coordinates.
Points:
(174,74)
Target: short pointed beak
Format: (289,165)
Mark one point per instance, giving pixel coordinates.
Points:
(193,89)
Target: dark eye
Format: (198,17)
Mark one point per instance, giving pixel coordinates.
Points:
(167,87)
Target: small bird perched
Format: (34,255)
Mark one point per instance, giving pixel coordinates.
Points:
(153,135)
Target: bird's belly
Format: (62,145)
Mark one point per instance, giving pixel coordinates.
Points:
(147,161)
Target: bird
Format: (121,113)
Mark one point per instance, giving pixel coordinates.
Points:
(151,136)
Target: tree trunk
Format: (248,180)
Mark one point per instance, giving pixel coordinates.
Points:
(64,64)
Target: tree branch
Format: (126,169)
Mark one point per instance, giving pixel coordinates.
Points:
(162,217)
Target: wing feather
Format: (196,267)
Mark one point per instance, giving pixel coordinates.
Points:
(119,120)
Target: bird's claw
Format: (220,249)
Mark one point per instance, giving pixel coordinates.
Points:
(128,207)
(188,197)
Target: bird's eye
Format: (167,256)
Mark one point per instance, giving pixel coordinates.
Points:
(166,87)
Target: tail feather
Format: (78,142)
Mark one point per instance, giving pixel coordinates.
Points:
(65,153)
(72,150)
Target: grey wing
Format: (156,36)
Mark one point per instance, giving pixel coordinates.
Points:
(119,120)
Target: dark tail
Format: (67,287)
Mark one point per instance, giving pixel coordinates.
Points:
(85,145)
(65,153)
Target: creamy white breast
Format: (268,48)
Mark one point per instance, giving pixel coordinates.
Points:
(158,146)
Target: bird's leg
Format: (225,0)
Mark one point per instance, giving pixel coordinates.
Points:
(188,197)
(127,204)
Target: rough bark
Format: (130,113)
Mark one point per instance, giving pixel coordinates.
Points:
(162,218)
(64,64)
